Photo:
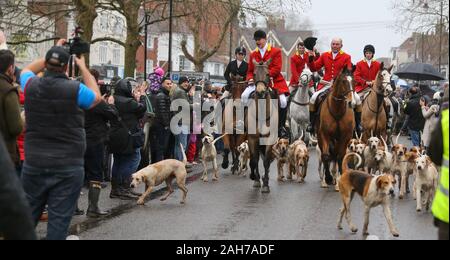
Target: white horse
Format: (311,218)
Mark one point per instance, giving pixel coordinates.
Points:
(299,108)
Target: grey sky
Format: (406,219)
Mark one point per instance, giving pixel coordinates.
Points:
(357,22)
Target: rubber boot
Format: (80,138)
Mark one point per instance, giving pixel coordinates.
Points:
(93,210)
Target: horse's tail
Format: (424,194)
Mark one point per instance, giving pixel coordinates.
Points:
(347,158)
(218,138)
(185,160)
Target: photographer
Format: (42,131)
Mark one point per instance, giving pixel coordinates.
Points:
(55,140)
(96,134)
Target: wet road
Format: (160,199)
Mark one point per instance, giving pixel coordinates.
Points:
(233,209)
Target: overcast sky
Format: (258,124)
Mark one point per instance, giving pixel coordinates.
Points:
(357,22)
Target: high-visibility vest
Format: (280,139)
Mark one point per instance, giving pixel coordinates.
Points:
(440,203)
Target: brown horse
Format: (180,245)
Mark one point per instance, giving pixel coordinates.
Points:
(373,112)
(260,137)
(336,123)
(233,139)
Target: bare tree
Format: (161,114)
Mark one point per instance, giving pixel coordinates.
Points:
(420,15)
(215,16)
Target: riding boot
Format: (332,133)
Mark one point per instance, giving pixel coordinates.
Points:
(93,210)
(312,122)
(282,133)
(358,123)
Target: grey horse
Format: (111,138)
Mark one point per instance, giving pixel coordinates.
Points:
(299,108)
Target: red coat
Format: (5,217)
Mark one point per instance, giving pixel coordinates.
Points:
(298,63)
(363,74)
(332,67)
(274,68)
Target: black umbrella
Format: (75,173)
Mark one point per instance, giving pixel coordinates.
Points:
(419,72)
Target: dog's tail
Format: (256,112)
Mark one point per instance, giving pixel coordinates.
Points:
(347,158)
(218,138)
(185,160)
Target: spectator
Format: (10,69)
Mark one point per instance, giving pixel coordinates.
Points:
(431,115)
(155,79)
(55,140)
(96,133)
(161,127)
(415,120)
(15,217)
(439,155)
(10,120)
(131,107)
(181,93)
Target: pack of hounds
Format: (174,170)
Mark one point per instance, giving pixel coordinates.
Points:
(369,169)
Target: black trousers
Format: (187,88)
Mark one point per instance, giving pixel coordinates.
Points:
(93,162)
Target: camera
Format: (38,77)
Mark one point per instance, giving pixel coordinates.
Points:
(76,46)
(198,88)
(106,89)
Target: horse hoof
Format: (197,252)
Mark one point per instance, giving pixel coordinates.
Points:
(257,184)
(225,165)
(265,189)
(252,177)
(329,180)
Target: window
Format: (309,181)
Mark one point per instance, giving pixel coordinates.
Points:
(216,69)
(184,63)
(149,66)
(103,53)
(150,42)
(116,56)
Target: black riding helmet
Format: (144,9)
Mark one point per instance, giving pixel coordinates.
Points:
(240,50)
(369,48)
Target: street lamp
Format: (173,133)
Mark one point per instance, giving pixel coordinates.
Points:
(146,45)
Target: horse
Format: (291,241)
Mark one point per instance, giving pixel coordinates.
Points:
(232,140)
(336,124)
(299,107)
(374,119)
(262,92)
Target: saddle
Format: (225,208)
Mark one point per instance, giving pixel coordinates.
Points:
(321,98)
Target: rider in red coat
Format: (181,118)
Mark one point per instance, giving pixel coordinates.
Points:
(333,62)
(366,71)
(298,62)
(263,53)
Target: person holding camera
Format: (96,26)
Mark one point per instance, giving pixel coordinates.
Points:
(96,134)
(55,140)
(126,138)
